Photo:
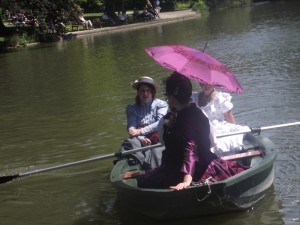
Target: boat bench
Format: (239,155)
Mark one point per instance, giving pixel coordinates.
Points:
(243,155)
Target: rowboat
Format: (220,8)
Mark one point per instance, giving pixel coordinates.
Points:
(237,193)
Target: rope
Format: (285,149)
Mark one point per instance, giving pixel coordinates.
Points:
(206,182)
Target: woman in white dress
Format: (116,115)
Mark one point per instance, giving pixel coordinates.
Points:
(218,108)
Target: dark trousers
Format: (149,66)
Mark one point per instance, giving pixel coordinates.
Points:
(149,159)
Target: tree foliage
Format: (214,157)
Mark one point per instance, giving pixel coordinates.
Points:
(64,10)
(41,10)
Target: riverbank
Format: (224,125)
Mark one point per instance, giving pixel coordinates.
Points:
(165,17)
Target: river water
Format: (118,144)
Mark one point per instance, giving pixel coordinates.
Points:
(63,102)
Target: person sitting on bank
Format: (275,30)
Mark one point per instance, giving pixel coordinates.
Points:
(122,17)
(149,8)
(187,156)
(142,122)
(156,7)
(20,19)
(87,24)
(107,19)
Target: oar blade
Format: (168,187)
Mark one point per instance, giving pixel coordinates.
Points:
(6,179)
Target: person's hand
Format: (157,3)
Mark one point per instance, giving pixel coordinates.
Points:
(170,118)
(134,132)
(145,141)
(185,183)
(133,174)
(180,186)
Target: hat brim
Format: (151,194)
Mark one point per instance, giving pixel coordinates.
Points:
(136,84)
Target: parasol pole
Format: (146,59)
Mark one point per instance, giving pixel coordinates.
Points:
(204,46)
(5,179)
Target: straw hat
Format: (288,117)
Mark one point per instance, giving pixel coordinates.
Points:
(144,80)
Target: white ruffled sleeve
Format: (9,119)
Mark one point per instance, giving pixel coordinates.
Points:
(225,102)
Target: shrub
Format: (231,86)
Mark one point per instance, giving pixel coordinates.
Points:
(182,5)
(16,40)
(200,7)
(23,39)
(12,41)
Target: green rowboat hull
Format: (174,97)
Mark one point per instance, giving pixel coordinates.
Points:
(237,193)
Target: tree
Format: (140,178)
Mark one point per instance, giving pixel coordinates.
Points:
(110,7)
(41,10)
(92,5)
(4,4)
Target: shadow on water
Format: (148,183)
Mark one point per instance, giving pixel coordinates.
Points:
(268,211)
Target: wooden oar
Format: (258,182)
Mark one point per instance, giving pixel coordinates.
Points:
(4,179)
(257,130)
(8,178)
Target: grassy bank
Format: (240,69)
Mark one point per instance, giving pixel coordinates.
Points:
(27,34)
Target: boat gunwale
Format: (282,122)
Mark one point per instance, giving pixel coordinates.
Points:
(269,156)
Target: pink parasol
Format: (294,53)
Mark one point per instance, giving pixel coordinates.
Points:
(195,65)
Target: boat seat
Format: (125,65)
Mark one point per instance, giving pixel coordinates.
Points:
(243,155)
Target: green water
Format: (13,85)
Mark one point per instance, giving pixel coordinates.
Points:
(63,102)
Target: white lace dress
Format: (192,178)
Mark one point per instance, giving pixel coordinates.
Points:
(215,112)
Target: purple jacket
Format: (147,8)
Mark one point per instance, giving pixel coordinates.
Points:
(187,143)
(188,152)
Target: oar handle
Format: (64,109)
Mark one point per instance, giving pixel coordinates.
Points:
(128,152)
(257,130)
(280,125)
